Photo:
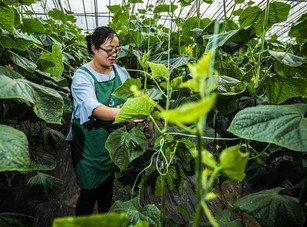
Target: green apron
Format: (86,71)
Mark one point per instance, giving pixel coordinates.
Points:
(91,160)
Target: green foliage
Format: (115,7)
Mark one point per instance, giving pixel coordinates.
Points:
(272,208)
(101,220)
(283,125)
(148,213)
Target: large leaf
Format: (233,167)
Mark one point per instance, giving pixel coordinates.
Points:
(16,220)
(97,220)
(7,18)
(279,89)
(126,146)
(46,103)
(299,29)
(18,40)
(42,161)
(249,16)
(22,61)
(149,213)
(44,187)
(283,125)
(272,209)
(278,12)
(218,40)
(139,107)
(53,62)
(33,25)
(14,150)
(124,90)
(288,59)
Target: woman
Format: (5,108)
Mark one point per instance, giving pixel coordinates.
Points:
(94,112)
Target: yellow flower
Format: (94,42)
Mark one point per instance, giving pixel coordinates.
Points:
(189,50)
(232,88)
(9,67)
(217,147)
(253,79)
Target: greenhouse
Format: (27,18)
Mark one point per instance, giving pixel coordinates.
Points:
(153,113)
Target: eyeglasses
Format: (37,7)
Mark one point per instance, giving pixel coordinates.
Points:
(111,52)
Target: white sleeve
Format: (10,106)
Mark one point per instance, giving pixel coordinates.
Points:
(84,96)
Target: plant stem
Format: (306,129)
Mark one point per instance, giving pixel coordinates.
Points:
(264,28)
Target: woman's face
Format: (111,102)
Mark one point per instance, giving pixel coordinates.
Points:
(107,53)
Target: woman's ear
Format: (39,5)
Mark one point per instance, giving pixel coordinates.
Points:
(93,48)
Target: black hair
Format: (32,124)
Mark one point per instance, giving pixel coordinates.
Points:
(99,36)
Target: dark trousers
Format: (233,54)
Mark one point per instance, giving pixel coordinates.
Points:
(88,198)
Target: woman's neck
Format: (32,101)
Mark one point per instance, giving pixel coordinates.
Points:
(100,68)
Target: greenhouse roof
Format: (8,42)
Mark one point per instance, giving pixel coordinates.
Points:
(93,13)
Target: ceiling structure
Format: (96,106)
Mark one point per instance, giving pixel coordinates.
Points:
(93,13)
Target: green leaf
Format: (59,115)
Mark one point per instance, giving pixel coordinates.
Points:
(298,29)
(278,12)
(173,180)
(190,112)
(7,16)
(22,62)
(283,125)
(42,161)
(33,25)
(95,220)
(139,107)
(165,8)
(279,89)
(149,213)
(125,146)
(249,16)
(45,102)
(271,209)
(208,159)
(52,136)
(18,40)
(16,220)
(218,40)
(53,62)
(44,187)
(159,71)
(14,150)
(288,59)
(63,16)
(124,90)
(233,163)
(177,62)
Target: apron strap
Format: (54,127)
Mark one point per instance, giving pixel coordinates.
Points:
(89,72)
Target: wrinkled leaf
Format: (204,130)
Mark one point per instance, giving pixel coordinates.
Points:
(14,150)
(272,209)
(283,125)
(42,161)
(139,107)
(22,62)
(44,187)
(46,103)
(149,213)
(125,146)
